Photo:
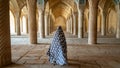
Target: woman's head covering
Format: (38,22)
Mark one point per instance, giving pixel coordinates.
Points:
(58,50)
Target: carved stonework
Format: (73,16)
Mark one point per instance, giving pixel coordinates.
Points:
(32,21)
(5,46)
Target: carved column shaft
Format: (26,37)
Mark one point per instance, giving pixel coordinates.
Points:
(80,23)
(46,24)
(32,21)
(49,24)
(27,24)
(118,21)
(71,24)
(17,19)
(103,24)
(75,24)
(5,46)
(67,26)
(92,27)
(41,22)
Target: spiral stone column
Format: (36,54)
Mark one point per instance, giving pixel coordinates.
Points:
(5,47)
(118,21)
(103,24)
(32,21)
(17,19)
(80,22)
(41,22)
(67,29)
(49,23)
(92,27)
(27,24)
(68,25)
(46,24)
(75,24)
(71,24)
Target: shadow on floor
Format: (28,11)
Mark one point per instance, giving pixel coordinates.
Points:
(71,64)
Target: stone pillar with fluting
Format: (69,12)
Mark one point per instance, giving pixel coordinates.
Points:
(41,22)
(17,20)
(71,24)
(49,23)
(21,24)
(46,24)
(118,21)
(75,23)
(80,22)
(103,23)
(26,24)
(67,26)
(32,21)
(92,25)
(5,46)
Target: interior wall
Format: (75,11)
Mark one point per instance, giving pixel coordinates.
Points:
(112,20)
(60,21)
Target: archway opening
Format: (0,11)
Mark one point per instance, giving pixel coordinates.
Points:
(60,21)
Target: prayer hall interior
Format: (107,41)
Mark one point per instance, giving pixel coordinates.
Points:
(91,28)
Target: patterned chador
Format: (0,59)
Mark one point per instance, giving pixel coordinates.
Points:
(58,50)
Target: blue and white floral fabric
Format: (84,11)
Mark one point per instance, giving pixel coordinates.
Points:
(58,49)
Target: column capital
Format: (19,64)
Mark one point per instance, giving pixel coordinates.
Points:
(75,13)
(103,12)
(117,7)
(81,12)
(26,15)
(93,3)
(17,13)
(81,7)
(40,7)
(41,12)
(46,13)
(17,10)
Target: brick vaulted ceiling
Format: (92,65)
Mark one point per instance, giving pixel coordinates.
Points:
(16,5)
(62,7)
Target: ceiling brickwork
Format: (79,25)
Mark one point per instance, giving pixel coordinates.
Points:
(63,7)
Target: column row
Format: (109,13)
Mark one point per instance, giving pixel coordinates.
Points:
(92,25)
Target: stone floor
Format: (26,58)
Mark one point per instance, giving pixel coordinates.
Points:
(23,39)
(105,54)
(79,56)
